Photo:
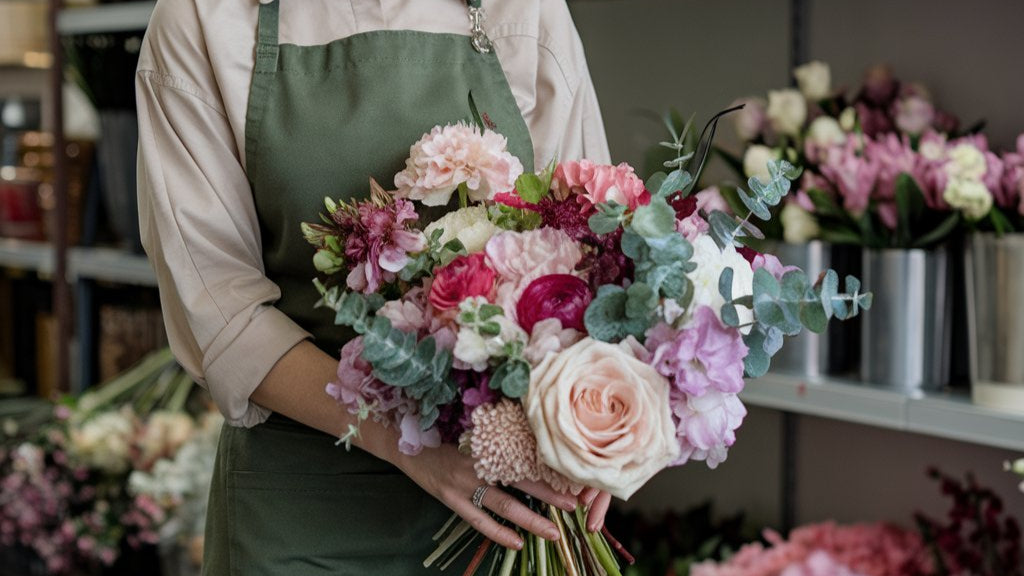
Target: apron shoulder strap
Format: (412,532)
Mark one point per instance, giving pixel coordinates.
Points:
(267,40)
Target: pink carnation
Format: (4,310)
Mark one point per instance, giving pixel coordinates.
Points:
(599,183)
(705,355)
(452,155)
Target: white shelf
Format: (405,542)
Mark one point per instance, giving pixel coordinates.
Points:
(942,415)
(118,17)
(111,265)
(26,255)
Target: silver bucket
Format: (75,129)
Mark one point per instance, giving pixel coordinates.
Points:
(995,288)
(905,337)
(806,354)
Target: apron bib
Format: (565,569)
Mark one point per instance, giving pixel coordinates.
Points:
(321,121)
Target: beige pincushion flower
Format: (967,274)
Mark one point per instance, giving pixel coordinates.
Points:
(505,450)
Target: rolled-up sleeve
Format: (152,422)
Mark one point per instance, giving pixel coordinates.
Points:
(200,230)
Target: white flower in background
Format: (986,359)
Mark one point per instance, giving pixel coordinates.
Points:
(969,196)
(710,262)
(798,225)
(848,119)
(823,134)
(105,441)
(750,120)
(787,111)
(164,433)
(814,79)
(966,162)
(755,161)
(933,147)
(470,225)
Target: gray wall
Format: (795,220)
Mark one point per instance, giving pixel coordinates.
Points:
(699,57)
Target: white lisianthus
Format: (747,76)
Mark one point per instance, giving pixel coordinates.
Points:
(474,348)
(933,149)
(711,261)
(798,225)
(755,161)
(970,196)
(966,162)
(787,111)
(814,79)
(470,225)
(848,119)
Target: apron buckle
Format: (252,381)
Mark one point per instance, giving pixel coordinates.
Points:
(481,43)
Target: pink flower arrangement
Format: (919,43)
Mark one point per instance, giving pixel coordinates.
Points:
(596,184)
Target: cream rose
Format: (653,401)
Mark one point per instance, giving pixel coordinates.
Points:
(755,161)
(787,111)
(469,225)
(814,80)
(601,417)
(798,226)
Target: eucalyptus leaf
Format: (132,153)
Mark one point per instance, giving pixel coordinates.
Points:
(676,181)
(725,284)
(654,220)
(512,378)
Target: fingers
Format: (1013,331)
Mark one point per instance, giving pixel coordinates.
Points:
(546,493)
(510,508)
(482,522)
(598,510)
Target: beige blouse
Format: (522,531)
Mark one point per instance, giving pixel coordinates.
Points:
(196,209)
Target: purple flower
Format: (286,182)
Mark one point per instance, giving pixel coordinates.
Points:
(893,156)
(853,174)
(378,241)
(703,356)
(414,439)
(706,425)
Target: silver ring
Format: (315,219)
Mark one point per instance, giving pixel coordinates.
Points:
(478,495)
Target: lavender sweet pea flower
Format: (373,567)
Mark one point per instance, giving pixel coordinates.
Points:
(414,439)
(703,356)
(706,425)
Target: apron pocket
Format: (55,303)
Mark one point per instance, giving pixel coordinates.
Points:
(337,524)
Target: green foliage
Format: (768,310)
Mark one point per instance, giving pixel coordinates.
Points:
(436,255)
(533,188)
(655,220)
(608,218)
(512,378)
(398,358)
(609,319)
(764,195)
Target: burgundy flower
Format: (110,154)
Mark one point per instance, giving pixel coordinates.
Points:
(561,296)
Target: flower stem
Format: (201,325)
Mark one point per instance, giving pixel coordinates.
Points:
(564,548)
(478,558)
(463,195)
(509,563)
(617,546)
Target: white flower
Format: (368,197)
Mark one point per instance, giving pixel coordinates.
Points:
(966,162)
(755,161)
(469,225)
(164,433)
(814,79)
(457,154)
(969,196)
(787,111)
(933,149)
(549,337)
(848,119)
(825,131)
(104,441)
(710,262)
(474,349)
(798,226)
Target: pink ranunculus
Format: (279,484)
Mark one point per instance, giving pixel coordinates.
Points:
(706,425)
(457,154)
(703,356)
(521,257)
(464,277)
(692,226)
(561,296)
(598,183)
(853,175)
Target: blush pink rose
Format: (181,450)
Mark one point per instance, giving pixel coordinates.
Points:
(465,277)
(561,296)
(601,417)
(598,183)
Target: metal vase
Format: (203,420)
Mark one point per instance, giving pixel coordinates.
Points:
(806,354)
(905,337)
(995,313)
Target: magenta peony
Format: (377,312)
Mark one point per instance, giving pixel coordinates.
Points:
(561,296)
(465,277)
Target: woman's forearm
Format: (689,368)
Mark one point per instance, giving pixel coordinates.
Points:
(294,387)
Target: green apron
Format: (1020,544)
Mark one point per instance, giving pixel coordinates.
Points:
(321,121)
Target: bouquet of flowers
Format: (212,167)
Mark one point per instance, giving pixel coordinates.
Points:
(885,168)
(577,326)
(66,497)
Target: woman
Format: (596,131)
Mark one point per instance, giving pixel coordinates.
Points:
(249,115)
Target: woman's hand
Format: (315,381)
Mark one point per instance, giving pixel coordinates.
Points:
(597,503)
(449,476)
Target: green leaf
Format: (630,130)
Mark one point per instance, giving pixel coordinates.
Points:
(1000,223)
(655,181)
(641,301)
(725,284)
(475,113)
(757,361)
(752,202)
(939,233)
(531,188)
(654,220)
(813,317)
(607,219)
(676,181)
(829,294)
(730,316)
(606,319)
(512,378)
